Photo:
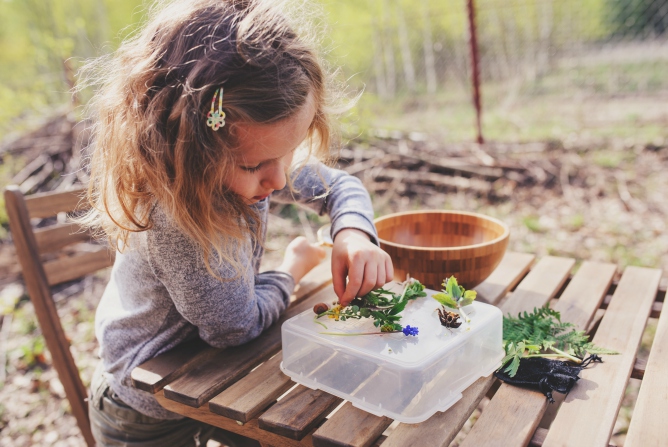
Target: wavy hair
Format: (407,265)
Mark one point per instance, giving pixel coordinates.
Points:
(151,143)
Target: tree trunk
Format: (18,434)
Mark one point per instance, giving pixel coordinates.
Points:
(428,45)
(406,58)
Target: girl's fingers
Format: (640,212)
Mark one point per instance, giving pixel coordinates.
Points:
(370,279)
(355,278)
(389,269)
(339,273)
(381,278)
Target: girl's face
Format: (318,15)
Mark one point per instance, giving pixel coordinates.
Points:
(264,153)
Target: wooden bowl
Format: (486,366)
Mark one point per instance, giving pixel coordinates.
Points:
(433,245)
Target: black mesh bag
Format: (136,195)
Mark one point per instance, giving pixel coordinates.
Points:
(546,375)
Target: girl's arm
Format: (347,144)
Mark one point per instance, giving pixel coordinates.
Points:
(225,313)
(358,264)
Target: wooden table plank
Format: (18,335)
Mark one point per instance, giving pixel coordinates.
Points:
(250,429)
(648,423)
(540,285)
(298,412)
(588,415)
(199,385)
(514,413)
(440,429)
(536,289)
(246,399)
(337,431)
(510,271)
(350,426)
(593,282)
(157,372)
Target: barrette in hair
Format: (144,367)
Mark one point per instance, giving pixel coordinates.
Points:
(216,119)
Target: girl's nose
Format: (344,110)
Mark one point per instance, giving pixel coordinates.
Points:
(275,177)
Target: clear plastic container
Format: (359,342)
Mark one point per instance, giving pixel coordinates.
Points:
(406,378)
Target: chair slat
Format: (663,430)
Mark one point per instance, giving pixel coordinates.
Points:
(517,411)
(198,386)
(49,204)
(648,420)
(247,398)
(157,372)
(337,431)
(78,265)
(589,412)
(538,287)
(510,271)
(299,412)
(58,236)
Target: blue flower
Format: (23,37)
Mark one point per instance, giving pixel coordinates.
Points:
(408,330)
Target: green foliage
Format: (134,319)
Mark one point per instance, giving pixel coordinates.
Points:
(32,353)
(634,18)
(543,334)
(382,305)
(455,296)
(42,45)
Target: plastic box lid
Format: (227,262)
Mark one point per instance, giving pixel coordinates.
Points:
(406,378)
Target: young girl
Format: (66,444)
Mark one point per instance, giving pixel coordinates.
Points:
(199,116)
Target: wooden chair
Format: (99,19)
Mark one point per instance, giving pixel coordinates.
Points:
(41,270)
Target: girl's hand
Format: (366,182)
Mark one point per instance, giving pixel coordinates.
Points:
(366,266)
(300,257)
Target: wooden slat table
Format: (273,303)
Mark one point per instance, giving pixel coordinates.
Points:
(242,389)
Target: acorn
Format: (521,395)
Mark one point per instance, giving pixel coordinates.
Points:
(320,308)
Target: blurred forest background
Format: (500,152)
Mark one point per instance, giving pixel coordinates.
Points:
(574,115)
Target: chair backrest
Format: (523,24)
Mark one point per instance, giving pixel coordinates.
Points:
(33,248)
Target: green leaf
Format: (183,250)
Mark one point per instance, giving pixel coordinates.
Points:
(470,295)
(398,308)
(465,302)
(445,300)
(450,286)
(514,365)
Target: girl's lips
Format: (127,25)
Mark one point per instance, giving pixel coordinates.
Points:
(258,198)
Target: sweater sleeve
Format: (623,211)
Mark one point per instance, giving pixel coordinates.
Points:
(225,313)
(333,192)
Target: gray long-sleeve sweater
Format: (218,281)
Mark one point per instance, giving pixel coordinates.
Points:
(160,293)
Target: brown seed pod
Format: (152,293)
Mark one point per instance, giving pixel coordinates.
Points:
(320,308)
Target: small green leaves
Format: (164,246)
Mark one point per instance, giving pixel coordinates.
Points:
(542,334)
(445,300)
(384,306)
(455,296)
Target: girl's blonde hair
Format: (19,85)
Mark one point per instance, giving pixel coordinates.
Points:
(152,144)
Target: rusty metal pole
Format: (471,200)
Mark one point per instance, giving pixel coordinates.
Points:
(475,75)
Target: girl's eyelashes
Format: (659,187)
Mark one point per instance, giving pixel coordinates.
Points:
(251,169)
